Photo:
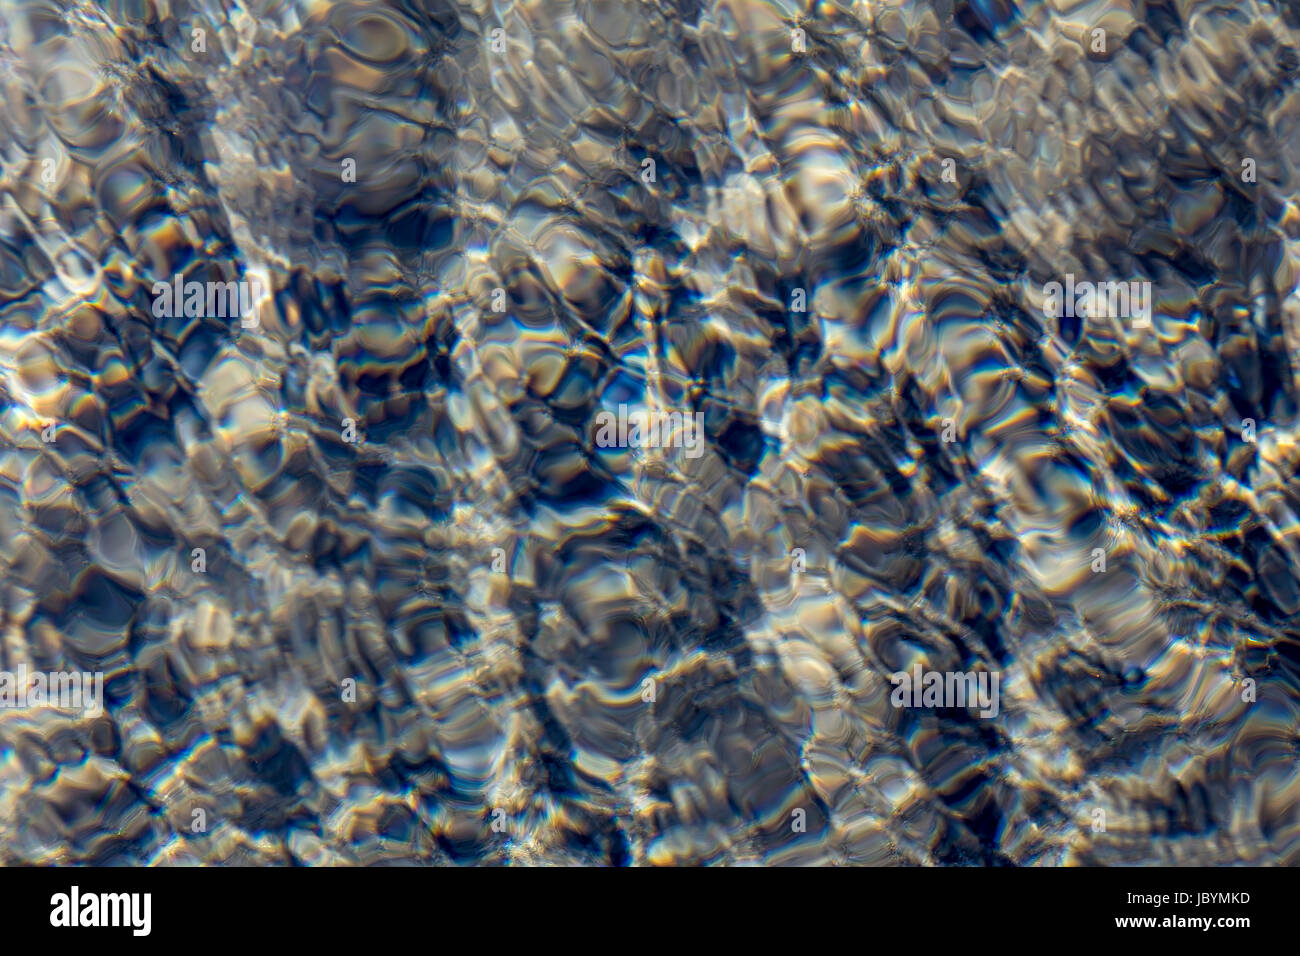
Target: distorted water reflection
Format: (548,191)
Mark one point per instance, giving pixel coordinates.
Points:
(364,580)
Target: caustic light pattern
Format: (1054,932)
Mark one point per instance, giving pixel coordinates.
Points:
(637,432)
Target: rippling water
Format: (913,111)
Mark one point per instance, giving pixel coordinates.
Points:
(367,585)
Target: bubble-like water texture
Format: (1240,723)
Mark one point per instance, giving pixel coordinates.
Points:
(364,581)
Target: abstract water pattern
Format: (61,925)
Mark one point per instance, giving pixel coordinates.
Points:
(363,585)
